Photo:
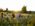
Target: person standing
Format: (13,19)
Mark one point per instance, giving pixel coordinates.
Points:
(18,16)
(13,15)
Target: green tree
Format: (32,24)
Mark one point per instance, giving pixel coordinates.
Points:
(6,9)
(24,9)
(1,10)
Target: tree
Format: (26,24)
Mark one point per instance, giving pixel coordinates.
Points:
(1,10)
(6,9)
(24,9)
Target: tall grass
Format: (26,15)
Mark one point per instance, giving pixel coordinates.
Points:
(13,22)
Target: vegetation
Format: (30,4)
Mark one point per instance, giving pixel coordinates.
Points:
(9,21)
(12,21)
(24,9)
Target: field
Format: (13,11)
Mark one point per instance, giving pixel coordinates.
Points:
(22,21)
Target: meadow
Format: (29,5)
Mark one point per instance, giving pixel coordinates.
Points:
(22,21)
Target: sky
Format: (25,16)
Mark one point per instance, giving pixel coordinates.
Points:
(17,5)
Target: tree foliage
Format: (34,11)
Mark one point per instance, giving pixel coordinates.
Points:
(24,9)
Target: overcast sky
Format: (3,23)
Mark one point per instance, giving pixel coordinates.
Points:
(17,4)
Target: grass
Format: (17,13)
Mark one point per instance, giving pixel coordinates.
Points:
(13,22)
(7,22)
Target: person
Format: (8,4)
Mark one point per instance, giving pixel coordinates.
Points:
(13,15)
(18,15)
(2,17)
